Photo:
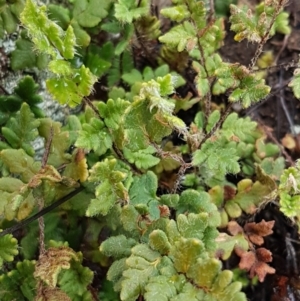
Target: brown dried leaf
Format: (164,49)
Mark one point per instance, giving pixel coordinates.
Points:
(234,228)
(51,262)
(248,260)
(164,211)
(289,142)
(264,255)
(261,269)
(229,193)
(255,262)
(51,294)
(256,231)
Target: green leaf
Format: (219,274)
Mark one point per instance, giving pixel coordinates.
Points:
(21,130)
(251,90)
(153,90)
(219,157)
(204,271)
(19,283)
(189,292)
(82,37)
(129,218)
(27,90)
(227,243)
(112,112)
(88,13)
(245,24)
(141,268)
(192,226)
(281,23)
(158,241)
(180,36)
(196,202)
(59,14)
(185,253)
(295,83)
(8,248)
(94,136)
(96,63)
(75,281)
(143,158)
(60,67)
(110,190)
(177,13)
(24,57)
(46,34)
(60,142)
(8,19)
(160,288)
(132,77)
(239,127)
(115,271)
(143,192)
(117,246)
(213,118)
(127,10)
(64,91)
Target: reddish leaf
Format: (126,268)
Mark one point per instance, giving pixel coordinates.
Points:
(256,231)
(234,228)
(255,262)
(264,255)
(261,269)
(229,193)
(248,260)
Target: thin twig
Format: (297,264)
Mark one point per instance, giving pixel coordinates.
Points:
(180,175)
(264,39)
(41,228)
(282,102)
(291,255)
(271,137)
(44,211)
(285,40)
(47,148)
(91,105)
(285,66)
(211,10)
(218,124)
(41,221)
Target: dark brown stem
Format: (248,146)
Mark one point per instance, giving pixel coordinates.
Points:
(41,229)
(266,36)
(218,124)
(44,211)
(47,148)
(91,105)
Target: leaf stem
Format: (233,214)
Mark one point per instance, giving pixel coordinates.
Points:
(44,211)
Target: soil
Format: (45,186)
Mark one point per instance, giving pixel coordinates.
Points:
(273,113)
(279,115)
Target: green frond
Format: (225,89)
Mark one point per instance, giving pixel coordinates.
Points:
(127,11)
(21,130)
(19,284)
(111,187)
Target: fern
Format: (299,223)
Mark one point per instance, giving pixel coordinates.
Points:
(13,283)
(9,16)
(176,251)
(157,207)
(70,85)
